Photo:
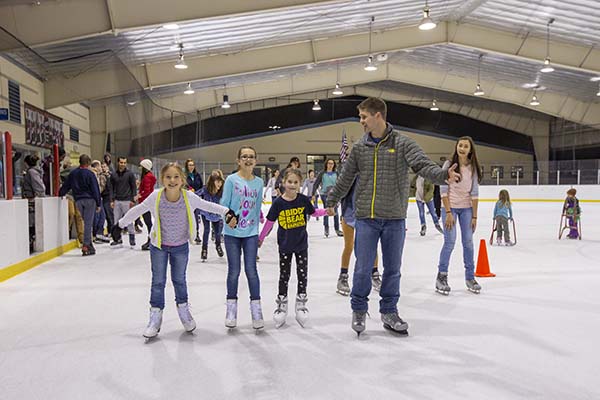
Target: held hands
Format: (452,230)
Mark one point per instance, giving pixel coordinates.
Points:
(231,218)
(449,221)
(453,176)
(330,211)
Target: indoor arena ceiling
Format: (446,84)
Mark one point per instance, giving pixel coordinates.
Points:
(271,48)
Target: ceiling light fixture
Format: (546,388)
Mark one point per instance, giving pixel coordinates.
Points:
(598,94)
(171,27)
(427,23)
(189,89)
(370,65)
(434,106)
(316,106)
(478,90)
(181,62)
(547,66)
(337,91)
(534,100)
(225,102)
(595,78)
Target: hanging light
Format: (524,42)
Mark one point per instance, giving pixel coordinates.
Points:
(370,65)
(426,23)
(338,90)
(171,27)
(189,89)
(225,102)
(547,66)
(534,100)
(434,106)
(316,106)
(181,62)
(478,90)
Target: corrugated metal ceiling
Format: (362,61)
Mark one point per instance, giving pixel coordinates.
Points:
(576,21)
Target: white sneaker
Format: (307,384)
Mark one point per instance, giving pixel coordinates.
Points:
(154,324)
(301,310)
(257,316)
(281,311)
(231,315)
(186,317)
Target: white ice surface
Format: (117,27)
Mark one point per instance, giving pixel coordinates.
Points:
(71,328)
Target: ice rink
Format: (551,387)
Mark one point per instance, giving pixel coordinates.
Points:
(72,328)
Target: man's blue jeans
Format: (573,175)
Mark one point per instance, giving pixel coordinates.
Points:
(178,257)
(87,209)
(234,247)
(462,217)
(368,232)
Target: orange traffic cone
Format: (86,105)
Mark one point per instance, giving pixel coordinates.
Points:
(483,265)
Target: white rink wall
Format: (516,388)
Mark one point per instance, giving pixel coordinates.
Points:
(585,193)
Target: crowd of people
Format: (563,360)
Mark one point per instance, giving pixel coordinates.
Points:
(369,190)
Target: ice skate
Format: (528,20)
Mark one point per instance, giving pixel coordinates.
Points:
(154,324)
(393,322)
(509,243)
(326,231)
(342,285)
(220,250)
(439,228)
(376,281)
(301,310)
(280,313)
(212,235)
(441,283)
(197,240)
(473,286)
(257,316)
(186,317)
(499,241)
(131,241)
(115,244)
(204,254)
(359,321)
(423,230)
(146,246)
(88,250)
(231,314)
(339,233)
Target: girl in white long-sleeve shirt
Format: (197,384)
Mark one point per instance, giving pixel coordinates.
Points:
(172,209)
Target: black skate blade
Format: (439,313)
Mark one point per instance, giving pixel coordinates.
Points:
(343,293)
(399,333)
(474,291)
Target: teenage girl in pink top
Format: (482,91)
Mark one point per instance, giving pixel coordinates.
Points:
(459,200)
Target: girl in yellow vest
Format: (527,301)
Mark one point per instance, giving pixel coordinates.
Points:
(172,209)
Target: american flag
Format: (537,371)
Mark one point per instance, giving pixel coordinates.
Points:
(344,148)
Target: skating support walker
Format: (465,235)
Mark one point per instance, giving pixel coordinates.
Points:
(564,224)
(495,230)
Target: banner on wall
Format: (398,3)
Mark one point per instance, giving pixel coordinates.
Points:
(42,128)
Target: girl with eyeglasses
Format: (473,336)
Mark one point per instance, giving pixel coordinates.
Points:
(243,193)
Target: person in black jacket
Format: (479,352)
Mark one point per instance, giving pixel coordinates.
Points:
(86,192)
(122,192)
(194,182)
